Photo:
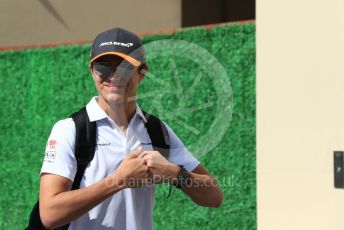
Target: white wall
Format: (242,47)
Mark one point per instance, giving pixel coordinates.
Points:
(300,113)
(30,22)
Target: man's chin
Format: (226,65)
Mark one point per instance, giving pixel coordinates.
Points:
(115,99)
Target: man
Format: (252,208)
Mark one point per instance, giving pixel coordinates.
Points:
(115,191)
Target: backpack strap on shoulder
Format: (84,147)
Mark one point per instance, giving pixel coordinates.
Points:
(85,146)
(158,134)
(85,143)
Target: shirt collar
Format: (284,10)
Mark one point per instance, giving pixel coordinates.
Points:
(95,112)
(140,113)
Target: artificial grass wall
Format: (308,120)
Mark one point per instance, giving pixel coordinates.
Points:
(210,108)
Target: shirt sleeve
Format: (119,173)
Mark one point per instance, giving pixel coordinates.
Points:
(59,156)
(179,154)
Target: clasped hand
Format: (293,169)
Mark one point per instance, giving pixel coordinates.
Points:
(143,167)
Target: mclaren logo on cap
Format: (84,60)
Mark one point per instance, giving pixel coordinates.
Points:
(110,43)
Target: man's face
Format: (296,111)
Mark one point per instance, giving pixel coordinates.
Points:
(122,81)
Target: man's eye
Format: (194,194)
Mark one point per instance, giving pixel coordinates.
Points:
(98,73)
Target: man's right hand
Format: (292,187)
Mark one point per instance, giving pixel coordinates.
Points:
(132,172)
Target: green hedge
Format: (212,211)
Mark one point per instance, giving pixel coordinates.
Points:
(41,86)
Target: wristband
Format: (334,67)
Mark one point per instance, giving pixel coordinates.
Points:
(182,178)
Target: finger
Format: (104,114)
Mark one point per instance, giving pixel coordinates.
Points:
(147,152)
(144,153)
(139,161)
(144,162)
(149,163)
(147,157)
(135,153)
(143,169)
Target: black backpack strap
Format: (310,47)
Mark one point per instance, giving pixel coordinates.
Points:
(85,146)
(35,222)
(158,134)
(85,143)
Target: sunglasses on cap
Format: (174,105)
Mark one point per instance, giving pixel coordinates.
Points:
(105,69)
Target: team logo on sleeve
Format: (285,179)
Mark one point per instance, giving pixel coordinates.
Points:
(52,144)
(50,151)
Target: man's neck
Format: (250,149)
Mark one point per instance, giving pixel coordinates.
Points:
(120,113)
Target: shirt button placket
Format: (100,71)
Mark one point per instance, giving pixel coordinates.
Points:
(127,146)
(127,142)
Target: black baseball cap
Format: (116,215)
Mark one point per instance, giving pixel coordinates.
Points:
(120,42)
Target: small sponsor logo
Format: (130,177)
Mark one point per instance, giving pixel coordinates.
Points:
(104,144)
(114,43)
(52,144)
(50,154)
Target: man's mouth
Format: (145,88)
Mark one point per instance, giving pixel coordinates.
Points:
(115,87)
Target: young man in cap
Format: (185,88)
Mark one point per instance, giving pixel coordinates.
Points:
(114,191)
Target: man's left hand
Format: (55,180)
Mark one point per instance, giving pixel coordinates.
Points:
(162,170)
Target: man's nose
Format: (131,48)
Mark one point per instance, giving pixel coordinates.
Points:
(115,76)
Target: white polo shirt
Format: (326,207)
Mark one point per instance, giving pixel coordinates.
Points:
(130,208)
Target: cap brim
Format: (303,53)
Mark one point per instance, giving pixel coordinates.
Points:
(129,59)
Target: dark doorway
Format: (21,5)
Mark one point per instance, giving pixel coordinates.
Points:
(200,12)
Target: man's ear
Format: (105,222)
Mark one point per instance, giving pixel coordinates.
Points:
(143,69)
(91,70)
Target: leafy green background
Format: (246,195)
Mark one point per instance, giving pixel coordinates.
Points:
(41,86)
